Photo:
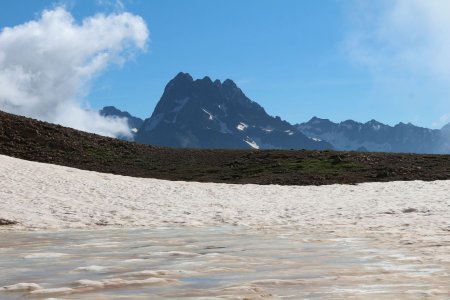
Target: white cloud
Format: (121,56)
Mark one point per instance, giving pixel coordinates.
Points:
(116,5)
(46,65)
(403,35)
(405,46)
(442,121)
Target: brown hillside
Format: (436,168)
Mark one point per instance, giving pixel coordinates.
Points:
(39,141)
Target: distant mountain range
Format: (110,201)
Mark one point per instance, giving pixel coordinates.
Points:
(376,136)
(212,114)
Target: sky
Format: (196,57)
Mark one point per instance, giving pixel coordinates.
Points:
(335,59)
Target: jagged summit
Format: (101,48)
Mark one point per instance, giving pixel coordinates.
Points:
(316,120)
(203,113)
(228,83)
(186,77)
(183,76)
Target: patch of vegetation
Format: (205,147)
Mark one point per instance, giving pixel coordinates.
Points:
(328,166)
(64,146)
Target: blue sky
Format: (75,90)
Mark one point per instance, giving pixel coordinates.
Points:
(333,59)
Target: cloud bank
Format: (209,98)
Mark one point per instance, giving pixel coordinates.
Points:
(46,66)
(409,34)
(405,44)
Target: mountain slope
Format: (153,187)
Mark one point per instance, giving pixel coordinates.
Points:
(375,136)
(206,114)
(40,141)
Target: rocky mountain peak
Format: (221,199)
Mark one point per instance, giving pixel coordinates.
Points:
(207,80)
(316,120)
(181,77)
(203,113)
(228,83)
(214,114)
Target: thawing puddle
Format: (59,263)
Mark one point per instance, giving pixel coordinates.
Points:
(221,262)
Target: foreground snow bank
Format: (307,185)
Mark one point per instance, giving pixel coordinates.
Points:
(368,240)
(37,195)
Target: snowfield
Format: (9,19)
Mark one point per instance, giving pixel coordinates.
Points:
(408,220)
(44,196)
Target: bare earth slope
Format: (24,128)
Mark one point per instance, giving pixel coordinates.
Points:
(43,142)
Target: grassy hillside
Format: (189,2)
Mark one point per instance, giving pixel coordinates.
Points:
(39,141)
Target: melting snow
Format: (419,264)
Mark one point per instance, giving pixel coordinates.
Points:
(251,143)
(223,126)
(210,116)
(242,126)
(63,198)
(289,132)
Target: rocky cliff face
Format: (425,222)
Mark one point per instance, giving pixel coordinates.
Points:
(213,114)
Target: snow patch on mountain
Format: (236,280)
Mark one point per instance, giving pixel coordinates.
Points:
(251,143)
(289,132)
(241,126)
(210,115)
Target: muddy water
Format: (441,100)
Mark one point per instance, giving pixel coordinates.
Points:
(219,262)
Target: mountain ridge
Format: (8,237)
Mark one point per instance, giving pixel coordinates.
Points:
(203,113)
(39,141)
(375,136)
